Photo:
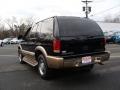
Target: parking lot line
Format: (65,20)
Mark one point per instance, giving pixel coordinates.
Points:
(7,48)
(8,55)
(114,56)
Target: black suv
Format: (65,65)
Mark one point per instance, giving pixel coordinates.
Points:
(63,42)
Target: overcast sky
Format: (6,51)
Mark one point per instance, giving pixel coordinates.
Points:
(40,9)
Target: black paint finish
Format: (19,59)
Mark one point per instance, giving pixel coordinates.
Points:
(77,36)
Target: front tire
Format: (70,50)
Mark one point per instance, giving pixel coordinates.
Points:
(20,56)
(2,44)
(43,69)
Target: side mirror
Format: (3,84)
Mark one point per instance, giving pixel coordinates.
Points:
(20,37)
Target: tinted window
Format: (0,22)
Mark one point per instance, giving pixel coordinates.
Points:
(38,35)
(76,26)
(47,29)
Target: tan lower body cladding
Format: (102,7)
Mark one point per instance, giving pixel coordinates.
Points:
(59,62)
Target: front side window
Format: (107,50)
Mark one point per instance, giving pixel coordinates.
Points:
(33,33)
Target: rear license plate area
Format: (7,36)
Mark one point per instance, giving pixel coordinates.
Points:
(86,60)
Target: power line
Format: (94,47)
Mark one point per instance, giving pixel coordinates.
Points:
(106,10)
(98,1)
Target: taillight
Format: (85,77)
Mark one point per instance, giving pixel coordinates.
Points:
(56,46)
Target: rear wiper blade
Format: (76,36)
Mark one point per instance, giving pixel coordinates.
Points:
(98,36)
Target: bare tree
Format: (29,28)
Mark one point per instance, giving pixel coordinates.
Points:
(12,23)
(3,32)
(116,19)
(29,21)
(108,18)
(17,27)
(25,23)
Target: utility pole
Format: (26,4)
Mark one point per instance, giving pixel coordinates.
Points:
(86,8)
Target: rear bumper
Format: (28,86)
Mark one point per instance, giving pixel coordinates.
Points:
(59,62)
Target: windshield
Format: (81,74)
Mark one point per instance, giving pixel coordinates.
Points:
(76,26)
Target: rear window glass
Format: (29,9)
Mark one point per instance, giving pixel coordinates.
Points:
(76,26)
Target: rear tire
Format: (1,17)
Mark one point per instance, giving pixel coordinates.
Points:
(43,69)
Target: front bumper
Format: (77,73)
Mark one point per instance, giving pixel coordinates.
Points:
(60,62)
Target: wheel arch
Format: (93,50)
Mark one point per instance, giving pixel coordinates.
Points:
(19,47)
(40,50)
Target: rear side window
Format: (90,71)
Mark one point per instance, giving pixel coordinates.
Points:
(46,31)
(76,26)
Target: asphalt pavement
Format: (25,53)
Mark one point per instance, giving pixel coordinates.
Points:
(16,76)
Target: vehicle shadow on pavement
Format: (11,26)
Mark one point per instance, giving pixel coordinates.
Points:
(71,77)
(75,78)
